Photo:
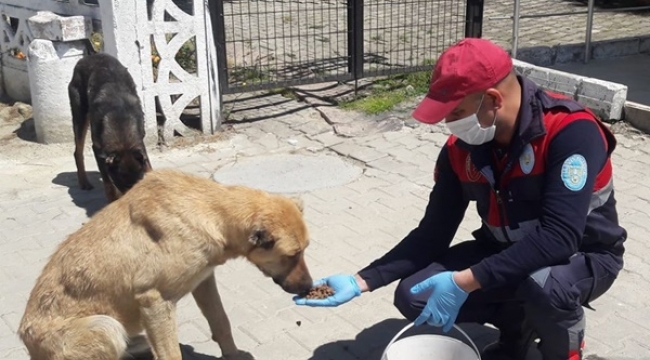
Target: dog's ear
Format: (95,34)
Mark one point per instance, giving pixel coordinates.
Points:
(261,238)
(299,203)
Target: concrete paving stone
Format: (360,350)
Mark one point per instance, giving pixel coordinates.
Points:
(5,328)
(63,229)
(327,139)
(242,340)
(381,211)
(268,329)
(330,194)
(340,239)
(387,176)
(362,184)
(51,207)
(315,335)
(392,166)
(357,152)
(8,343)
(11,320)
(372,251)
(329,207)
(625,291)
(594,346)
(268,141)
(284,347)
(18,217)
(641,317)
(189,332)
(313,127)
(636,226)
(631,348)
(394,136)
(423,162)
(372,312)
(14,354)
(406,188)
(277,300)
(253,151)
(409,142)
(251,131)
(21,239)
(371,195)
(301,141)
(438,139)
(425,181)
(399,230)
(277,128)
(334,265)
(370,139)
(403,201)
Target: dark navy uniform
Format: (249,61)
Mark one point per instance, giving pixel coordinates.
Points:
(550,240)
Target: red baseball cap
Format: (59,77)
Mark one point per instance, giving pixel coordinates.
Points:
(469,66)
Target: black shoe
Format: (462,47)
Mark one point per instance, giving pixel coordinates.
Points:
(509,347)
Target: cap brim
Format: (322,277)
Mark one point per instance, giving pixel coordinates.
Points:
(431,111)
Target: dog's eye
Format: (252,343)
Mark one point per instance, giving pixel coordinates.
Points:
(268,245)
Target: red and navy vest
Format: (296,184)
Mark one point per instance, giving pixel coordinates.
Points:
(509,193)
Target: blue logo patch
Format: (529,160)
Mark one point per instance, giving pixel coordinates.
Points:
(527,159)
(574,172)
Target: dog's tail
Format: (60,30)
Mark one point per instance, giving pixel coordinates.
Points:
(94,337)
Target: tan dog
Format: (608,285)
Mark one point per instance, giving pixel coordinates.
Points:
(124,270)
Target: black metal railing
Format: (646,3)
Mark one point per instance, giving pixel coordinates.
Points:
(267,44)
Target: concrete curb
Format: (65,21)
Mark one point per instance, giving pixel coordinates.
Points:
(605,98)
(569,53)
(638,115)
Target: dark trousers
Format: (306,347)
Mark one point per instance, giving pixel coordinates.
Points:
(549,300)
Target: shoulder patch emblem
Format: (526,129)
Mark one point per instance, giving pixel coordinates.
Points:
(527,159)
(574,172)
(473,174)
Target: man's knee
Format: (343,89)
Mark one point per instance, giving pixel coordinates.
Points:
(409,305)
(555,297)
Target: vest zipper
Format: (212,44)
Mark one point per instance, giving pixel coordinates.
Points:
(502,211)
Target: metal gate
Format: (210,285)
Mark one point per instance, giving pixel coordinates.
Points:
(265,44)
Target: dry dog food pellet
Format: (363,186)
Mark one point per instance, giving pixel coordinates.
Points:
(320,292)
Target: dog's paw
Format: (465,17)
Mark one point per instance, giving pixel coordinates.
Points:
(86,185)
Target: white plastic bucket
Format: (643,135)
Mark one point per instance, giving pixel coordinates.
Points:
(430,347)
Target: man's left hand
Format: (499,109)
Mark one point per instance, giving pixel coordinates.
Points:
(444,303)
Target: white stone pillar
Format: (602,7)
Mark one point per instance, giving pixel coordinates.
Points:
(59,43)
(121,23)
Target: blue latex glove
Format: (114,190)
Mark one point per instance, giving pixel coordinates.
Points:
(443,304)
(345,289)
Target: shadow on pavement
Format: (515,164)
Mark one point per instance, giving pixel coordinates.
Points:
(188,353)
(370,343)
(90,200)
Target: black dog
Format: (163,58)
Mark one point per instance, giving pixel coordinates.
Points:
(103,96)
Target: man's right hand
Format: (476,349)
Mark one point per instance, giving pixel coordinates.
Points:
(345,289)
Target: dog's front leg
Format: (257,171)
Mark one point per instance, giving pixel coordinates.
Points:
(207,298)
(109,188)
(159,321)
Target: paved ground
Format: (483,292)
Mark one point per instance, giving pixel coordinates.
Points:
(351,224)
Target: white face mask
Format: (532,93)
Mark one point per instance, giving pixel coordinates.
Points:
(469,129)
